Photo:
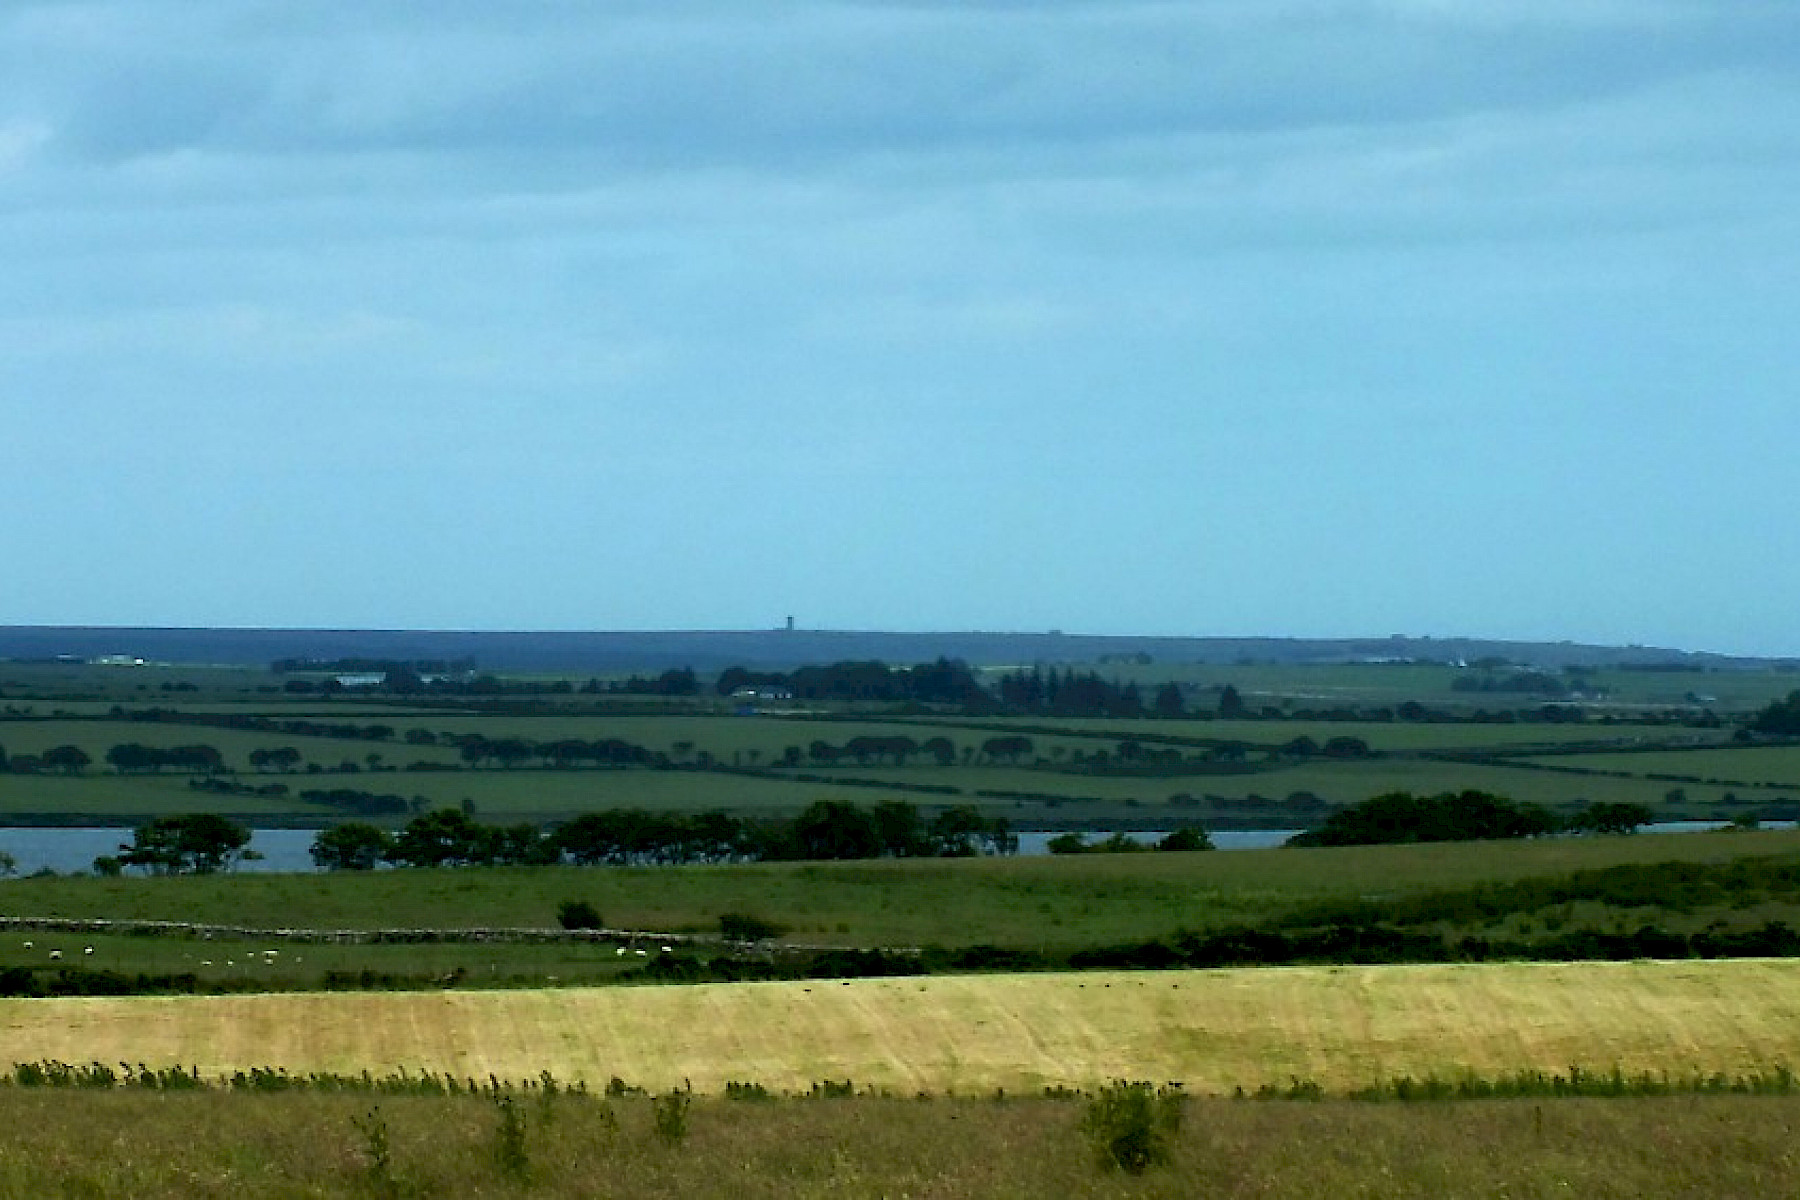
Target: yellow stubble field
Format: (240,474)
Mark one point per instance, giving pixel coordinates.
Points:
(1342,1027)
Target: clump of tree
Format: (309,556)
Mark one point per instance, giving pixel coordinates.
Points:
(1068,694)
(351,846)
(1781,718)
(1398,817)
(578,914)
(132,758)
(188,844)
(1608,816)
(632,837)
(838,829)
(1188,838)
(351,800)
(70,760)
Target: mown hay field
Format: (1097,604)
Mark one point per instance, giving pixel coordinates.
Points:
(1343,1027)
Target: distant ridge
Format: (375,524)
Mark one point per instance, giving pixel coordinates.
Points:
(712,650)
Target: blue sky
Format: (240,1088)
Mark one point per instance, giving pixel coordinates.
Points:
(1304,317)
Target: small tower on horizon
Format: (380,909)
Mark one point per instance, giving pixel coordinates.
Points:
(790,624)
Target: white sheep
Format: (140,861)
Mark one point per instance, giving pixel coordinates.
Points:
(54,954)
(89,950)
(28,945)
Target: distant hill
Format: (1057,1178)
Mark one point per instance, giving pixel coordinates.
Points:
(603,653)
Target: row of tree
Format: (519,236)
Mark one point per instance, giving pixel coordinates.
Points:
(132,758)
(1400,817)
(828,829)
(68,760)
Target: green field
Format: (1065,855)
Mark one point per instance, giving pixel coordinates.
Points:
(1028,902)
(1249,792)
(1766,766)
(217,1145)
(1380,735)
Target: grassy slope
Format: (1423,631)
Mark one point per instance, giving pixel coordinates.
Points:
(1053,901)
(1343,1027)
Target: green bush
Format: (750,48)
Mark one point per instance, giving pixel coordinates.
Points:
(509,1138)
(744,927)
(669,1115)
(578,914)
(1130,1124)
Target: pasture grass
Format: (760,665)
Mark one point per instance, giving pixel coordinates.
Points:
(228,962)
(150,1145)
(1769,766)
(1045,902)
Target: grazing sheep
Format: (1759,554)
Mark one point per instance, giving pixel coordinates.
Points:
(28,945)
(56,954)
(616,953)
(89,950)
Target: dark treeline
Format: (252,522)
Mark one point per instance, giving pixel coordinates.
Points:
(131,757)
(1246,947)
(1067,693)
(681,681)
(828,829)
(251,723)
(1401,817)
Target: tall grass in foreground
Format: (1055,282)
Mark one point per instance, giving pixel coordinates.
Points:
(138,1139)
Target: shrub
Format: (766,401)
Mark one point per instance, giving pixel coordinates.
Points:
(509,1138)
(578,914)
(669,1115)
(376,1150)
(1188,838)
(1130,1124)
(744,927)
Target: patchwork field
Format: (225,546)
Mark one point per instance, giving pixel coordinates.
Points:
(1343,1027)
